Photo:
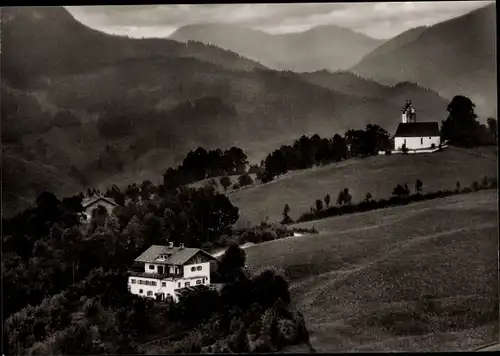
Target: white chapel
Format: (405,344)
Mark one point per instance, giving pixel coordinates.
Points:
(415,135)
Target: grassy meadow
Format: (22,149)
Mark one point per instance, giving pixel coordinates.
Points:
(421,277)
(377,175)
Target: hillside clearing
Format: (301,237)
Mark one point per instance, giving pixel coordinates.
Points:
(360,282)
(377,175)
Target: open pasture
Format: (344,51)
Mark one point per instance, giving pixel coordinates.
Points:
(422,277)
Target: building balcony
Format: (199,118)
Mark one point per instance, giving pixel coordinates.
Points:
(143,274)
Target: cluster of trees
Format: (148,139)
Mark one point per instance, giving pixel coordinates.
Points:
(201,164)
(45,249)
(462,128)
(401,196)
(309,151)
(404,191)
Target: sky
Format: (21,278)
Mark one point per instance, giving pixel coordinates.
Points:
(376,19)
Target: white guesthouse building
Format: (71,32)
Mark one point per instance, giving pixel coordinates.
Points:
(166,270)
(416,135)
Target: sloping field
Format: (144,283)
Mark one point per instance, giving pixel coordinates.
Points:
(377,175)
(422,277)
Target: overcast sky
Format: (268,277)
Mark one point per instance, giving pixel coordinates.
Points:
(378,20)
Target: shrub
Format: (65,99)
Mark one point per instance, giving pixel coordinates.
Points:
(475,186)
(319,205)
(225,182)
(236,186)
(344,197)
(485,182)
(327,201)
(245,180)
(399,191)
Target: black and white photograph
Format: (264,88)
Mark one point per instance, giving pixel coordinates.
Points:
(197,178)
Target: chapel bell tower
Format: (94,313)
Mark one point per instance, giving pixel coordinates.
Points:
(409,114)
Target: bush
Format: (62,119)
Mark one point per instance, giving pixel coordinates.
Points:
(245,180)
(475,186)
(236,186)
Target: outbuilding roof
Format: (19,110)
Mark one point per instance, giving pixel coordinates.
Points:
(417,129)
(86,202)
(177,255)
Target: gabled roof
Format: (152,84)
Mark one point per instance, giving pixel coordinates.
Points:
(179,256)
(86,202)
(417,129)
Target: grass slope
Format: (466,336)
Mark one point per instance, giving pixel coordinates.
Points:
(377,175)
(360,282)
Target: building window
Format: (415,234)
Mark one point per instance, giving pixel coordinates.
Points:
(140,291)
(430,138)
(198,268)
(421,140)
(193,269)
(198,281)
(187,284)
(140,281)
(163,284)
(151,267)
(179,284)
(153,283)
(132,281)
(150,293)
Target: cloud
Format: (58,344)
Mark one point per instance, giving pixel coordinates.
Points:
(380,20)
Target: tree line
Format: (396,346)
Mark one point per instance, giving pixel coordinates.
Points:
(201,164)
(306,151)
(401,195)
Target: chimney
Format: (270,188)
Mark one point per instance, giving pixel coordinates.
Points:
(181,246)
(170,245)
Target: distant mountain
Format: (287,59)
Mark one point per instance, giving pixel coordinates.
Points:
(323,47)
(457,56)
(85,109)
(430,105)
(48,41)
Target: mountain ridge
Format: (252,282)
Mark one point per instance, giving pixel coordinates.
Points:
(312,49)
(423,56)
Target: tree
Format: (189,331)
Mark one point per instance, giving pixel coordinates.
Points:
(461,126)
(492,126)
(319,205)
(344,197)
(225,182)
(375,139)
(418,186)
(407,190)
(275,164)
(327,201)
(245,180)
(457,186)
(146,190)
(286,217)
(232,261)
(399,191)
(368,197)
